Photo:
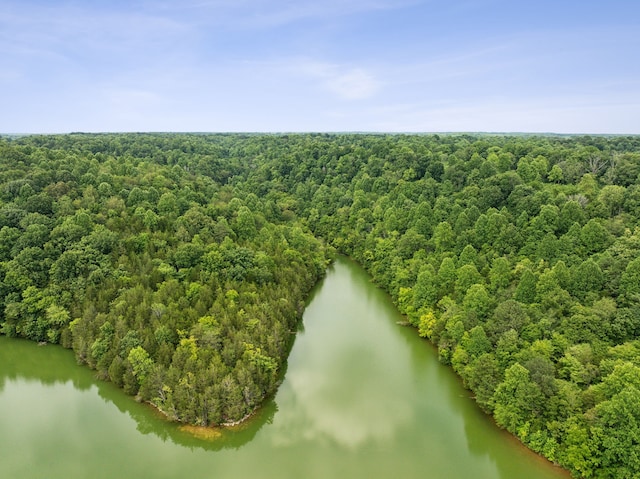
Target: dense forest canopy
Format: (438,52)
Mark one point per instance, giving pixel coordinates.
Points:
(177,266)
(165,280)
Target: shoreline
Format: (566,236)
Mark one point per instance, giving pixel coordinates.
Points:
(210,432)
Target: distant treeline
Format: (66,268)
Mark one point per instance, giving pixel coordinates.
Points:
(177,266)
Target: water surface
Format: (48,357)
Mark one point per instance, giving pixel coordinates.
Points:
(362,397)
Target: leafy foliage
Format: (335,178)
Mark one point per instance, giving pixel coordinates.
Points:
(177,266)
(172,284)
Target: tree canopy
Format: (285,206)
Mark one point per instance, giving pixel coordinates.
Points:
(177,265)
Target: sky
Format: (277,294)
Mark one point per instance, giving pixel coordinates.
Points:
(562,66)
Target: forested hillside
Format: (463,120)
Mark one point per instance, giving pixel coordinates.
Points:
(177,266)
(166,281)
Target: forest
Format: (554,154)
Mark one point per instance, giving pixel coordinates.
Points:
(178,265)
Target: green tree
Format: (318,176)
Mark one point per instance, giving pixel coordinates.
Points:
(500,273)
(443,237)
(467,275)
(141,363)
(447,274)
(483,377)
(618,430)
(245,224)
(516,399)
(508,315)
(477,301)
(630,281)
(612,197)
(526,290)
(594,236)
(588,277)
(555,174)
(425,291)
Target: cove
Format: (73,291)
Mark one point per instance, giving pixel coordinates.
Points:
(362,397)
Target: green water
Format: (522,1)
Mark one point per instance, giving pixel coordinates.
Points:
(362,398)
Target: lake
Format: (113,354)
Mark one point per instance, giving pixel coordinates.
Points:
(362,397)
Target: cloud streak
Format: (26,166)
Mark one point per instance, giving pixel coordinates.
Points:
(349,83)
(301,65)
(278,13)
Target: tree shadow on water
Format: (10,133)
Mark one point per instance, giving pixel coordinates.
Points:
(51,365)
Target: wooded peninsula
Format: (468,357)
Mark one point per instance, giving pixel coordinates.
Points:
(178,266)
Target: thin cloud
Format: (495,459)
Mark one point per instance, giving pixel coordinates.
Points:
(559,114)
(79,29)
(293,11)
(347,83)
(272,14)
(355,84)
(263,65)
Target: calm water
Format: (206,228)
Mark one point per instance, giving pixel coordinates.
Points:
(362,398)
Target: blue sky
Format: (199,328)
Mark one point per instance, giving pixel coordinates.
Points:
(320,65)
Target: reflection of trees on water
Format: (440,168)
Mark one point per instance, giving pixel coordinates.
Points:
(50,365)
(150,421)
(499,446)
(24,359)
(475,419)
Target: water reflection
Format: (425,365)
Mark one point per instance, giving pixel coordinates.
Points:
(322,403)
(341,369)
(362,398)
(25,367)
